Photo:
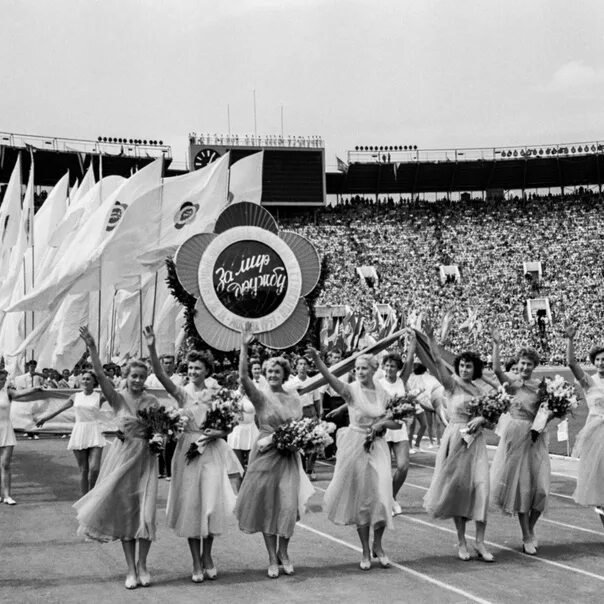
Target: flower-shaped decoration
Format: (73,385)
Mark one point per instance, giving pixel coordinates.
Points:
(248,270)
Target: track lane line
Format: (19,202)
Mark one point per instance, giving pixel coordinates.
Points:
(405,569)
(498,545)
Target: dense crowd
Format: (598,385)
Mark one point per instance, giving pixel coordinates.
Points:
(489,241)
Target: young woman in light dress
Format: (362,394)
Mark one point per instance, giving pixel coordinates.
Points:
(394,382)
(275,488)
(201,496)
(86,439)
(460,483)
(589,446)
(7,434)
(521,468)
(122,504)
(360,492)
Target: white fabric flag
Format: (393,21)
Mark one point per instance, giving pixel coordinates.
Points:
(157,222)
(183,215)
(71,223)
(10,212)
(48,218)
(245,183)
(23,242)
(85,244)
(78,203)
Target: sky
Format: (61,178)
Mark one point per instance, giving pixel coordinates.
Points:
(432,73)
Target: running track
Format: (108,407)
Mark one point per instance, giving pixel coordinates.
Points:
(42,560)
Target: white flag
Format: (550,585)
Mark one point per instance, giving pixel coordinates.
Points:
(156,223)
(48,218)
(10,211)
(245,182)
(24,241)
(84,245)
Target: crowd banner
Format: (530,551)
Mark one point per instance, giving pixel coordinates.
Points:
(25,412)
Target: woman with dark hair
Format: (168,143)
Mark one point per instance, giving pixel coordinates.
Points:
(589,446)
(87,439)
(122,503)
(360,492)
(201,496)
(396,374)
(520,472)
(275,488)
(460,483)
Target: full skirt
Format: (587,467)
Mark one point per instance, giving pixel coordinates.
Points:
(360,491)
(273,493)
(201,496)
(590,450)
(460,483)
(86,435)
(243,436)
(520,473)
(7,435)
(122,504)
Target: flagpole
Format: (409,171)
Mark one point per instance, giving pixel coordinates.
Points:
(112,334)
(154,299)
(31,233)
(161,209)
(140,319)
(101,264)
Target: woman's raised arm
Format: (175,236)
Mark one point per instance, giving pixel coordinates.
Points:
(160,374)
(256,397)
(585,380)
(338,385)
(113,398)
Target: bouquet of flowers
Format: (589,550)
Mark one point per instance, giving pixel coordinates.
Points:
(307,434)
(490,406)
(224,411)
(223,415)
(558,399)
(160,425)
(398,409)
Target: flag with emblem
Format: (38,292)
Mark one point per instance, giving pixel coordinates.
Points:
(74,273)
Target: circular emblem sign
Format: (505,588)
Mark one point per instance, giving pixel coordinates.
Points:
(248,271)
(250,279)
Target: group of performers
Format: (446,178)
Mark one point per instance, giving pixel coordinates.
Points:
(119,502)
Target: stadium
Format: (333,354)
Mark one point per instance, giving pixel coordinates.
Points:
(301,301)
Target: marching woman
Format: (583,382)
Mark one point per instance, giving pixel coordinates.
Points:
(394,383)
(86,440)
(201,496)
(460,483)
(245,433)
(360,492)
(7,434)
(590,441)
(122,503)
(520,473)
(275,488)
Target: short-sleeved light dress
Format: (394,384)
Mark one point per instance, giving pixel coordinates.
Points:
(460,483)
(360,492)
(201,496)
(393,389)
(122,503)
(590,449)
(245,434)
(87,431)
(7,434)
(521,468)
(275,488)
